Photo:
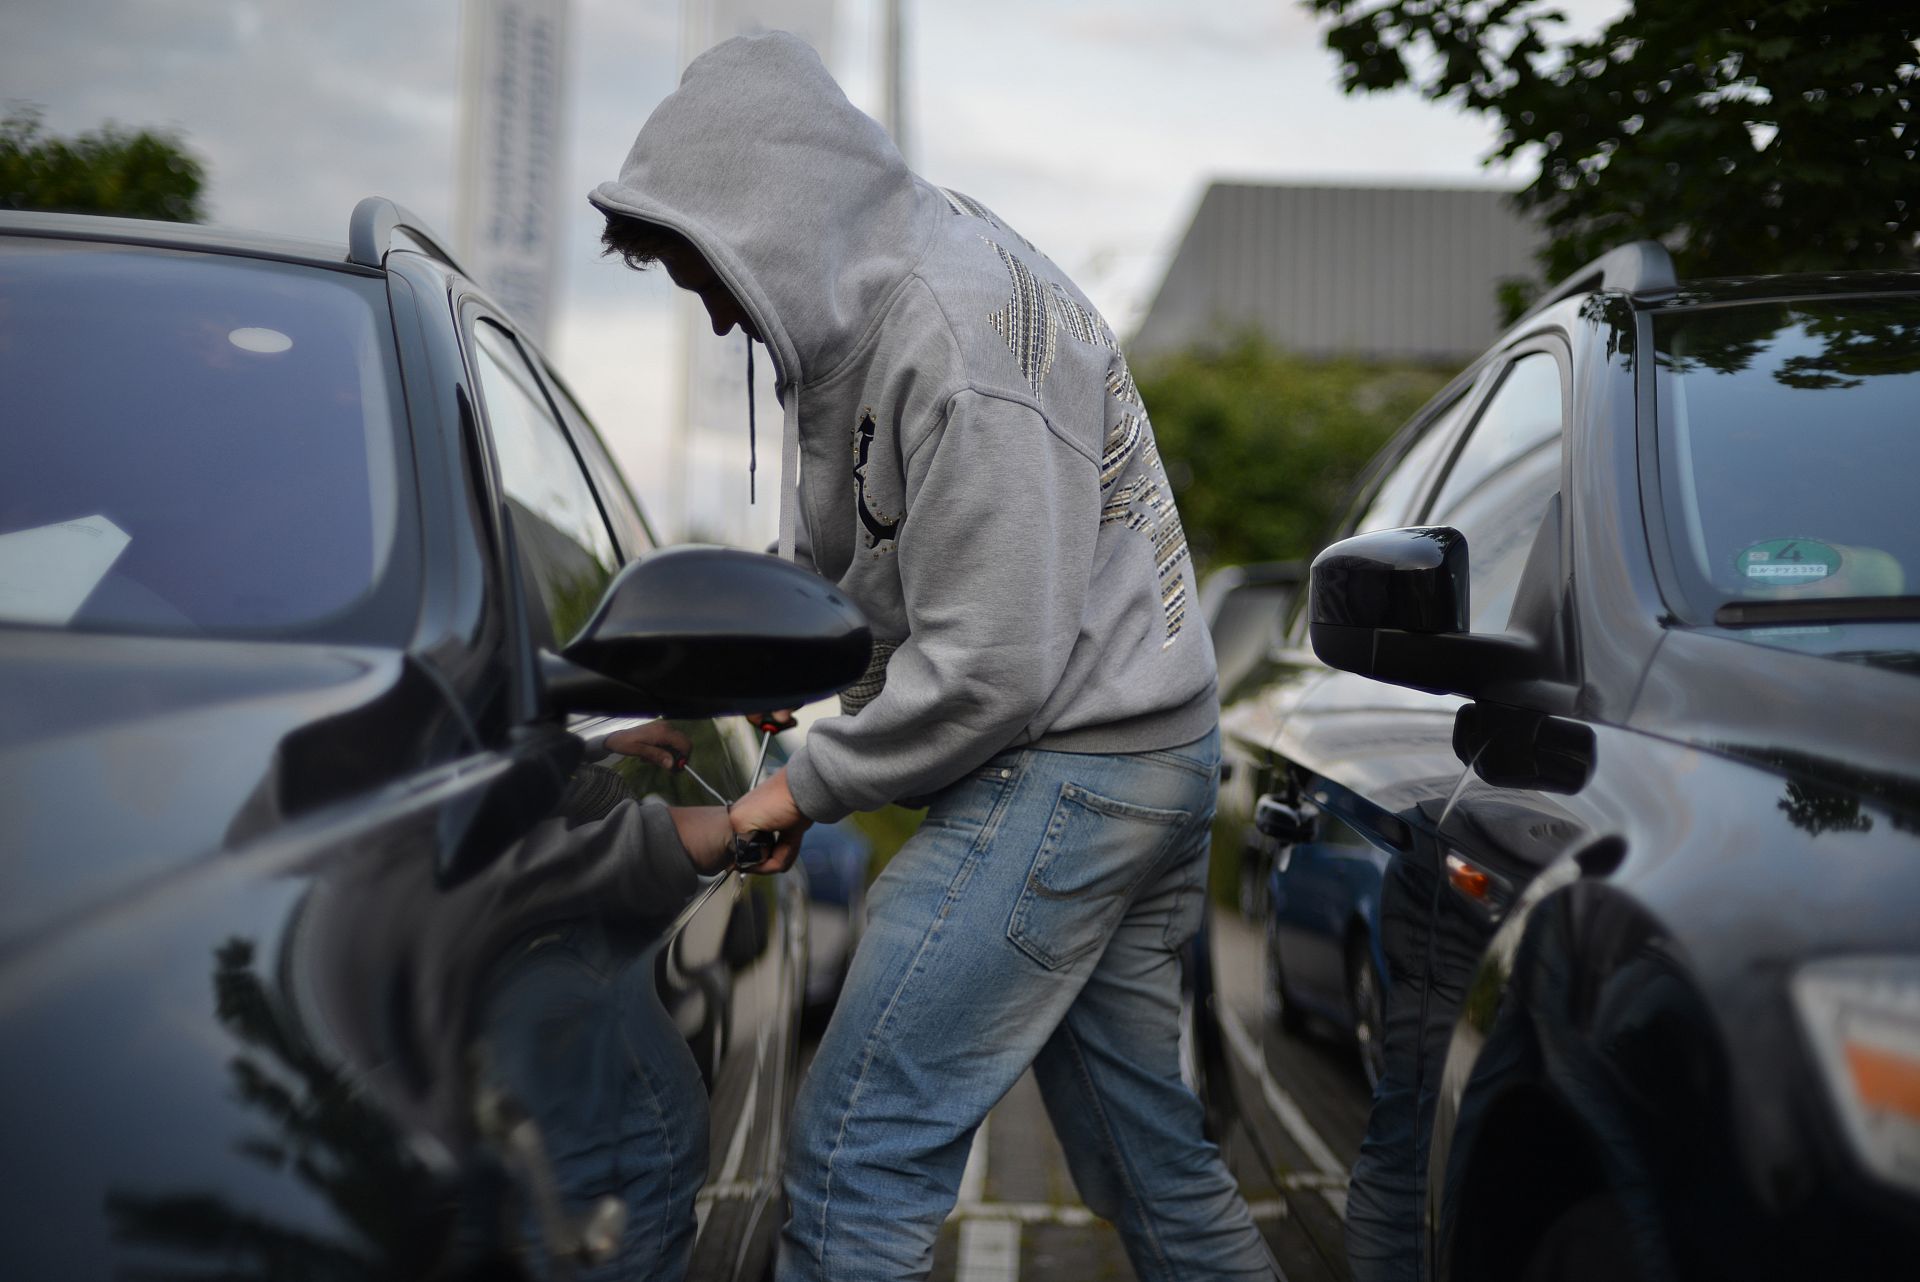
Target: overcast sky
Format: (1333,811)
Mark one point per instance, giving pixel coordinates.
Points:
(1091,125)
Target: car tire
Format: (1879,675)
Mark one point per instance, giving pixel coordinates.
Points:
(1273,993)
(1366,1002)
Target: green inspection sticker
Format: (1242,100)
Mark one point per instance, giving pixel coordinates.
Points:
(1787,562)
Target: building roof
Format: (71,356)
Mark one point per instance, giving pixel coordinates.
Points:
(1383,273)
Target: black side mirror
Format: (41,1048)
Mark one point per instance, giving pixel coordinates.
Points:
(707,631)
(1393,605)
(1519,748)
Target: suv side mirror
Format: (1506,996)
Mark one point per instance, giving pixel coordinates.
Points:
(707,631)
(1392,605)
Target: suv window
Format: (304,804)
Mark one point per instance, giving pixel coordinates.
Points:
(1394,500)
(565,550)
(1499,488)
(1398,497)
(199,444)
(1524,413)
(636,536)
(1788,451)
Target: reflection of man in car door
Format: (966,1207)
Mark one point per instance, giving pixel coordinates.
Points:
(981,479)
(523,986)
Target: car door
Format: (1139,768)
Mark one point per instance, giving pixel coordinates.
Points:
(699,1002)
(762,942)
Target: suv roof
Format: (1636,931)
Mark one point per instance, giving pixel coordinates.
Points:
(1730,289)
(369,236)
(141,231)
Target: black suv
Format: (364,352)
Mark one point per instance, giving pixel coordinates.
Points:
(1615,659)
(333,944)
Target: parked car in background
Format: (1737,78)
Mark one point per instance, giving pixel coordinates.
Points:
(838,861)
(1612,669)
(332,942)
(1312,883)
(1322,955)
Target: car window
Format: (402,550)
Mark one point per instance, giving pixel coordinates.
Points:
(1500,520)
(1394,500)
(199,444)
(566,551)
(1523,413)
(1788,450)
(1398,497)
(623,510)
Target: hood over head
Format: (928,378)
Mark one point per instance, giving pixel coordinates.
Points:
(797,199)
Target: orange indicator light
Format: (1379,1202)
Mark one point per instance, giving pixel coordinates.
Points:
(1467,879)
(1886,1080)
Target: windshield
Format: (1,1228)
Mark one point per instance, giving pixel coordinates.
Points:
(1789,438)
(194,443)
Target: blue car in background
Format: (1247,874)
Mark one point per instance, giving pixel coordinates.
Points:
(1309,878)
(1323,957)
(837,857)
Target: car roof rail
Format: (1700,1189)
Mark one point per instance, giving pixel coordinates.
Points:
(370,234)
(1641,268)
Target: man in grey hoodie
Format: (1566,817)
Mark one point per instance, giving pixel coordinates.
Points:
(976,470)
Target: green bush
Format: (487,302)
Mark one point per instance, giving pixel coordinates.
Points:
(1262,448)
(142,173)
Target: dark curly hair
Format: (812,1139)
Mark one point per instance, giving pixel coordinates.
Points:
(639,242)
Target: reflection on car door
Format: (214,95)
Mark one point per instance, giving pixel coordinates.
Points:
(706,1012)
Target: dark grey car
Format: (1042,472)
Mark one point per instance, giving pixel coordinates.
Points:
(332,944)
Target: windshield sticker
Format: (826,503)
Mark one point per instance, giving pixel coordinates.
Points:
(1787,561)
(48,572)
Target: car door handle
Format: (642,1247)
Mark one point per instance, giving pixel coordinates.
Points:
(1288,823)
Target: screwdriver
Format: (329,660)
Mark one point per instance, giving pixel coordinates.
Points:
(751,849)
(747,850)
(683,763)
(768,727)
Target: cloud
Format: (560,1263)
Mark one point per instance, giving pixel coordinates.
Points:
(1237,31)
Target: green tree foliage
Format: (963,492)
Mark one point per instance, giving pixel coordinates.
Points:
(1751,136)
(1262,448)
(133,173)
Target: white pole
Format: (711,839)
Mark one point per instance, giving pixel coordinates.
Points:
(893,74)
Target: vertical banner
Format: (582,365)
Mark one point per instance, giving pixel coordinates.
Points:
(715,449)
(507,213)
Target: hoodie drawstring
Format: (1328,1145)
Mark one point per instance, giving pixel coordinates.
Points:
(753,445)
(789,456)
(789,472)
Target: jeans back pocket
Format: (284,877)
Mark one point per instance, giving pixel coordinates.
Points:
(1093,857)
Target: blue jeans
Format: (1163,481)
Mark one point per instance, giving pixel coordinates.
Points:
(1035,919)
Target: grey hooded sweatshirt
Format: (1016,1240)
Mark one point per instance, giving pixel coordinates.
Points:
(976,469)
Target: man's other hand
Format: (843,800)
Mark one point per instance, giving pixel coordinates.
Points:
(655,743)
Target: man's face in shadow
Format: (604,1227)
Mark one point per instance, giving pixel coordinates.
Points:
(691,272)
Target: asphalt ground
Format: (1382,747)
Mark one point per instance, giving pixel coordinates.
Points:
(1303,1108)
